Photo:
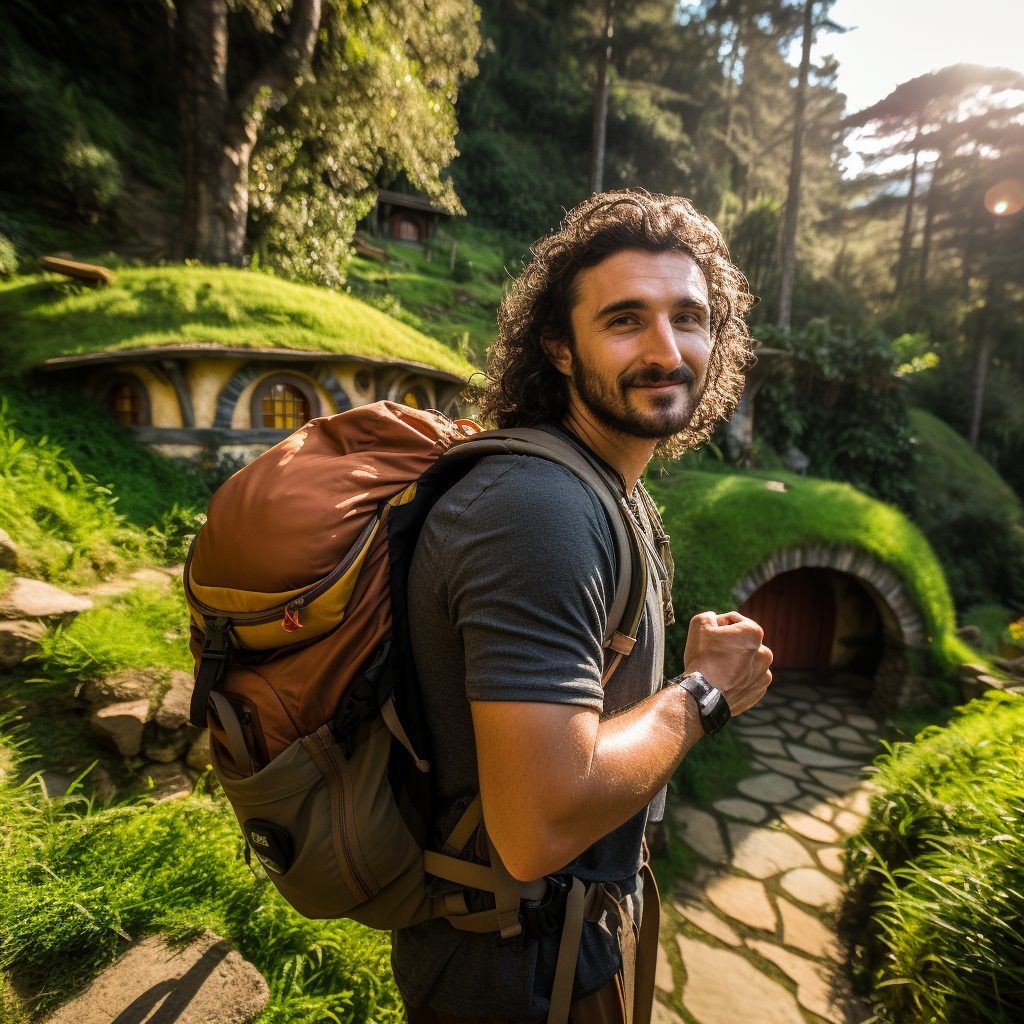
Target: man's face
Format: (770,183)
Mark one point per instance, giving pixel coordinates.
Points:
(642,342)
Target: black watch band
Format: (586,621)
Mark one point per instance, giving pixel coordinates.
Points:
(712,706)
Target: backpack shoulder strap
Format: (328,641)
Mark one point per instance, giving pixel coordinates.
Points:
(631,583)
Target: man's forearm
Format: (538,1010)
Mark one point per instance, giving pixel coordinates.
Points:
(580,778)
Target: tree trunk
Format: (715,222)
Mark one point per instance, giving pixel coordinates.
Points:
(980,375)
(929,222)
(219,131)
(795,171)
(600,129)
(908,223)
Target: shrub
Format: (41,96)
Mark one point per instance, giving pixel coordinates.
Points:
(937,873)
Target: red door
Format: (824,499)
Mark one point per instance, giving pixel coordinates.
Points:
(798,615)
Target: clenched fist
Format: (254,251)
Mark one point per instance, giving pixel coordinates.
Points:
(727,650)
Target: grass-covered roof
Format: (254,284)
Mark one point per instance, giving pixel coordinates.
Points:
(723,525)
(42,317)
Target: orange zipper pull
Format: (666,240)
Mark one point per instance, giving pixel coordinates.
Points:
(290,623)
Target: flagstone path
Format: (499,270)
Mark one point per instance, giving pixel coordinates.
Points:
(749,939)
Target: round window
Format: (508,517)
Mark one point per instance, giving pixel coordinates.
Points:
(415,397)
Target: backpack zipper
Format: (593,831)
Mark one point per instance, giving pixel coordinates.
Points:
(340,788)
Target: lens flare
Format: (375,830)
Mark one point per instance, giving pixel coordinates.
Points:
(1005,198)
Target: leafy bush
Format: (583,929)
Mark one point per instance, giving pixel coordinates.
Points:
(838,402)
(937,873)
(77,882)
(92,176)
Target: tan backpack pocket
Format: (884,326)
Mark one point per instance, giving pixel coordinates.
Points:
(310,812)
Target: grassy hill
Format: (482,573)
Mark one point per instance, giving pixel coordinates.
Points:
(42,316)
(723,525)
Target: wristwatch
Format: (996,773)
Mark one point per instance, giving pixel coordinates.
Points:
(711,703)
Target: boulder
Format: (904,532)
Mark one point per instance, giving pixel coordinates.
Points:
(199,753)
(8,552)
(166,781)
(128,684)
(971,635)
(206,982)
(121,725)
(176,701)
(33,599)
(18,640)
(167,745)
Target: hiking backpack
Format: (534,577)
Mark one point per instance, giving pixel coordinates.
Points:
(296,585)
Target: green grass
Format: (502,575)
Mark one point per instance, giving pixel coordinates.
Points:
(937,873)
(992,620)
(456,307)
(42,316)
(724,525)
(77,883)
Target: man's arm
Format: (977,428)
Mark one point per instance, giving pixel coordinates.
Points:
(555,778)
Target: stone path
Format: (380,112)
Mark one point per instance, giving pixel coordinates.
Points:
(750,937)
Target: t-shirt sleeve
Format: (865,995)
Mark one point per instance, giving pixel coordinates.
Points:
(532,575)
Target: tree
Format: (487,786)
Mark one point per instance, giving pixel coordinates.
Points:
(319,70)
(600,131)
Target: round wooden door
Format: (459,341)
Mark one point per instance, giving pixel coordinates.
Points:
(797,612)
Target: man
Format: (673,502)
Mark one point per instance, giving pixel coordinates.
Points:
(625,336)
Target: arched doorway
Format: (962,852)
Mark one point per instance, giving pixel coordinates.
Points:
(797,612)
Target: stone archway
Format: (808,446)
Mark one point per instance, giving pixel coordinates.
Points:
(902,623)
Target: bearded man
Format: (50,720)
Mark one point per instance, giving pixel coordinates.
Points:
(625,337)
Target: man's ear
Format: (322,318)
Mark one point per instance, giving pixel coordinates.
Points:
(559,353)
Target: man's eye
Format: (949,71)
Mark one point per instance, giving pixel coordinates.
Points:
(687,318)
(621,321)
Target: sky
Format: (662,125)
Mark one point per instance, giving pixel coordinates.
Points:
(891,41)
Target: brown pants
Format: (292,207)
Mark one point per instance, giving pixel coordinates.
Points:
(604,1007)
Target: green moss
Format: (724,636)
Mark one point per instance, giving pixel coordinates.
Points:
(184,305)
(724,525)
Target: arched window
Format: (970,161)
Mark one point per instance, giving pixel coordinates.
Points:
(285,408)
(127,401)
(407,230)
(283,402)
(415,397)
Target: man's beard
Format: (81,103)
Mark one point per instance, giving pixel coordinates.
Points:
(610,403)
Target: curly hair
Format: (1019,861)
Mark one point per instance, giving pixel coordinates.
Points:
(524,388)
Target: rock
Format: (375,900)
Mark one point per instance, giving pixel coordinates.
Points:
(744,900)
(971,635)
(810,886)
(723,988)
(844,732)
(167,745)
(735,807)
(18,640)
(827,711)
(792,730)
(787,715)
(33,599)
(808,827)
(663,973)
(176,702)
(831,858)
(817,739)
(797,692)
(804,932)
(199,754)
(783,766)
(761,852)
(127,684)
(812,805)
(55,785)
(701,832)
(8,552)
(848,822)
(661,1014)
(814,721)
(819,759)
(847,747)
(121,725)
(859,801)
(836,781)
(205,983)
(974,688)
(166,781)
(758,730)
(815,989)
(764,745)
(770,787)
(804,705)
(708,922)
(863,722)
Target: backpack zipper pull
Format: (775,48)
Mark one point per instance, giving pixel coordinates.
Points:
(290,623)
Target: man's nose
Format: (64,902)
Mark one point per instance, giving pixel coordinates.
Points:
(660,348)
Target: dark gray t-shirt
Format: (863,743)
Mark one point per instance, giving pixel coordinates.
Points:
(508,592)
